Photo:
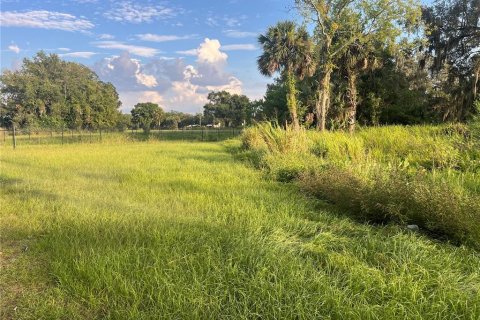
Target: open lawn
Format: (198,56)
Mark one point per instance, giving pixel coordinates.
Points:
(180,230)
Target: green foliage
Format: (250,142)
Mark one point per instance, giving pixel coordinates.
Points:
(339,26)
(453,40)
(232,110)
(48,91)
(422,175)
(147,115)
(288,50)
(274,104)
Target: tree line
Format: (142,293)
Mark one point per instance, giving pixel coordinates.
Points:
(349,61)
(223,109)
(374,62)
(48,92)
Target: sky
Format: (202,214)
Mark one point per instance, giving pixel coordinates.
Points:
(167,52)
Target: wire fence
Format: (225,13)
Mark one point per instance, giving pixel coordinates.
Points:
(17,137)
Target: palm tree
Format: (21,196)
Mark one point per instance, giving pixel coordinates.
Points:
(288,50)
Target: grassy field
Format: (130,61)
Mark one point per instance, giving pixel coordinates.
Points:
(47,137)
(179,230)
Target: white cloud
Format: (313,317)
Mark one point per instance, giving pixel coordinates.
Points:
(125,72)
(131,98)
(191,52)
(239,34)
(215,21)
(212,22)
(146,80)
(136,50)
(105,36)
(63,49)
(185,95)
(14,48)
(209,52)
(232,22)
(78,54)
(43,19)
(132,12)
(234,47)
(233,86)
(161,38)
(152,96)
(172,83)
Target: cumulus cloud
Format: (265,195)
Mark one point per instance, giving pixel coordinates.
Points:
(14,48)
(78,54)
(124,72)
(233,86)
(131,98)
(209,52)
(132,12)
(44,19)
(176,84)
(136,50)
(161,38)
(185,95)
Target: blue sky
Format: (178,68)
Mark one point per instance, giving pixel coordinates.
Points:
(169,52)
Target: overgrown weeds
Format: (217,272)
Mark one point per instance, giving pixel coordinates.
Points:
(423,175)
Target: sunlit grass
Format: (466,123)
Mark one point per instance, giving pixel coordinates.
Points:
(179,230)
(423,175)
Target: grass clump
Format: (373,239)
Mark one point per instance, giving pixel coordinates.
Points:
(424,175)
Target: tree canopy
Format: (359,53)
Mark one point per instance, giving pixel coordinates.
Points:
(232,110)
(47,91)
(147,115)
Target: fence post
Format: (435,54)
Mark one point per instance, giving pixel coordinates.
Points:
(14,138)
(100,134)
(90,135)
(218,134)
(4,135)
(62,135)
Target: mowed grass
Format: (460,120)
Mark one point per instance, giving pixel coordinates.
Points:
(178,230)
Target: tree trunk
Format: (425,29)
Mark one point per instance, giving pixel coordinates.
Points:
(475,80)
(323,99)
(292,99)
(352,100)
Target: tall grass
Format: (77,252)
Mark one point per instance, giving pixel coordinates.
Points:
(176,230)
(424,175)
